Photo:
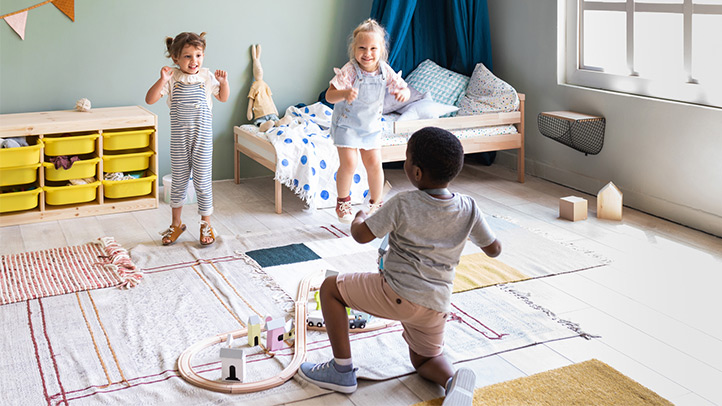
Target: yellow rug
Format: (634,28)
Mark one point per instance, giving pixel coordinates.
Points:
(588,383)
(477,271)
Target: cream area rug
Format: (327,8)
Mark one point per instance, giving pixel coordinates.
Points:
(111,346)
(590,383)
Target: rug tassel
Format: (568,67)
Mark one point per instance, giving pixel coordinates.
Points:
(525,297)
(279,295)
(120,263)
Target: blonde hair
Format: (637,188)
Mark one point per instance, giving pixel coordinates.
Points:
(175,45)
(369,25)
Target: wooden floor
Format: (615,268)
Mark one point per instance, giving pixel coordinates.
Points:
(656,307)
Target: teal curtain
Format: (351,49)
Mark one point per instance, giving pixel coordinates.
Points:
(452,33)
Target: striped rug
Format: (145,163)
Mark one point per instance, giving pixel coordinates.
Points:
(100,264)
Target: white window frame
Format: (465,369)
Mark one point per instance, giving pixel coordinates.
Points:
(576,73)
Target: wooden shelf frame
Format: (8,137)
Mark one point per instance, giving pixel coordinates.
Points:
(41,124)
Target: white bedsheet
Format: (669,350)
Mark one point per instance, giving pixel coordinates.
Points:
(307,160)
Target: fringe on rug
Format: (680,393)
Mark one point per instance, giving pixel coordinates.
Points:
(550,237)
(279,295)
(525,297)
(120,263)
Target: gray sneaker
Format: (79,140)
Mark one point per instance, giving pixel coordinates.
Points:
(461,388)
(326,376)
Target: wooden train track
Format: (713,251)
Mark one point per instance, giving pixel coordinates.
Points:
(299,347)
(299,351)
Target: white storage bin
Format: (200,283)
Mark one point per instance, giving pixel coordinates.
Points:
(190,190)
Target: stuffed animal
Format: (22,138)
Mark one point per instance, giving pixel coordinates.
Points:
(261,108)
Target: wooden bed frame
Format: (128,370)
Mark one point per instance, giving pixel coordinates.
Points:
(263,152)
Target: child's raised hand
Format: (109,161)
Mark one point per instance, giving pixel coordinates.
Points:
(403,95)
(351,94)
(221,76)
(165,73)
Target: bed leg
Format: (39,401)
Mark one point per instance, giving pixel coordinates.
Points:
(236,167)
(520,165)
(279,189)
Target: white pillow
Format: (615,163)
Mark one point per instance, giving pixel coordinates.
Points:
(425,108)
(391,105)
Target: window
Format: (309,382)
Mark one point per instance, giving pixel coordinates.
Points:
(670,49)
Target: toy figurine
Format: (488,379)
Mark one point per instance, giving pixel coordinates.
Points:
(261,108)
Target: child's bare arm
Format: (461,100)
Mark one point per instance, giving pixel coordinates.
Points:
(359,230)
(334,95)
(224,91)
(492,250)
(154,94)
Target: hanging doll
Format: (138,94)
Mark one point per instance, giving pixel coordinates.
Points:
(261,108)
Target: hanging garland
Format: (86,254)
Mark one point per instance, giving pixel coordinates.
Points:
(16,20)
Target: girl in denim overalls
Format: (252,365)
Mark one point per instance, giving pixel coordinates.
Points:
(189,88)
(358,91)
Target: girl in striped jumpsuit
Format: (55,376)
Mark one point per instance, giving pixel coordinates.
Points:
(189,87)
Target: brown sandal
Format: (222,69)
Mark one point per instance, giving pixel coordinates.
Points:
(207,231)
(172,234)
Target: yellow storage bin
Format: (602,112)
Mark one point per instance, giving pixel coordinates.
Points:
(20,156)
(84,168)
(118,189)
(136,161)
(74,144)
(115,140)
(19,175)
(15,201)
(57,195)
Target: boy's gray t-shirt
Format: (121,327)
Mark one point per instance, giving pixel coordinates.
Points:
(426,238)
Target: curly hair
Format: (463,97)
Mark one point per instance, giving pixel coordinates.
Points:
(437,152)
(175,45)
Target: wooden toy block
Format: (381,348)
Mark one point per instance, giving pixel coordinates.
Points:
(573,208)
(274,333)
(233,364)
(254,330)
(609,202)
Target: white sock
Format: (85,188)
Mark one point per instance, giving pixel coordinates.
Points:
(448,384)
(343,364)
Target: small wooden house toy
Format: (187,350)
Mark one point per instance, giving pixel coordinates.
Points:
(275,329)
(289,331)
(573,208)
(233,364)
(609,202)
(254,331)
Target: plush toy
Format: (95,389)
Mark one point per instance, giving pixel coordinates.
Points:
(261,108)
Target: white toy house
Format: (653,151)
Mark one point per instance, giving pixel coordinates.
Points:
(233,364)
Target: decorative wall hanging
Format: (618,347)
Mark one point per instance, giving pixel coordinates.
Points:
(16,20)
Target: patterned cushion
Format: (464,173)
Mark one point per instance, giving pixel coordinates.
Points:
(487,93)
(444,85)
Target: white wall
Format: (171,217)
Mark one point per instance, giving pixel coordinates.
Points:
(666,157)
(114,50)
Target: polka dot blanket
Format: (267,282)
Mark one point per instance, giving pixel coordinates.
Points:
(307,160)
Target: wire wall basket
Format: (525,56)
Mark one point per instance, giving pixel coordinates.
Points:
(582,132)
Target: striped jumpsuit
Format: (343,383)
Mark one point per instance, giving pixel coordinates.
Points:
(191,140)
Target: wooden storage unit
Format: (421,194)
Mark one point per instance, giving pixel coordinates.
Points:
(70,132)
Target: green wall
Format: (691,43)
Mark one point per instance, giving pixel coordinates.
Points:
(114,50)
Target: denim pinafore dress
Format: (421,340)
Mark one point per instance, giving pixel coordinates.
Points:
(358,124)
(191,145)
